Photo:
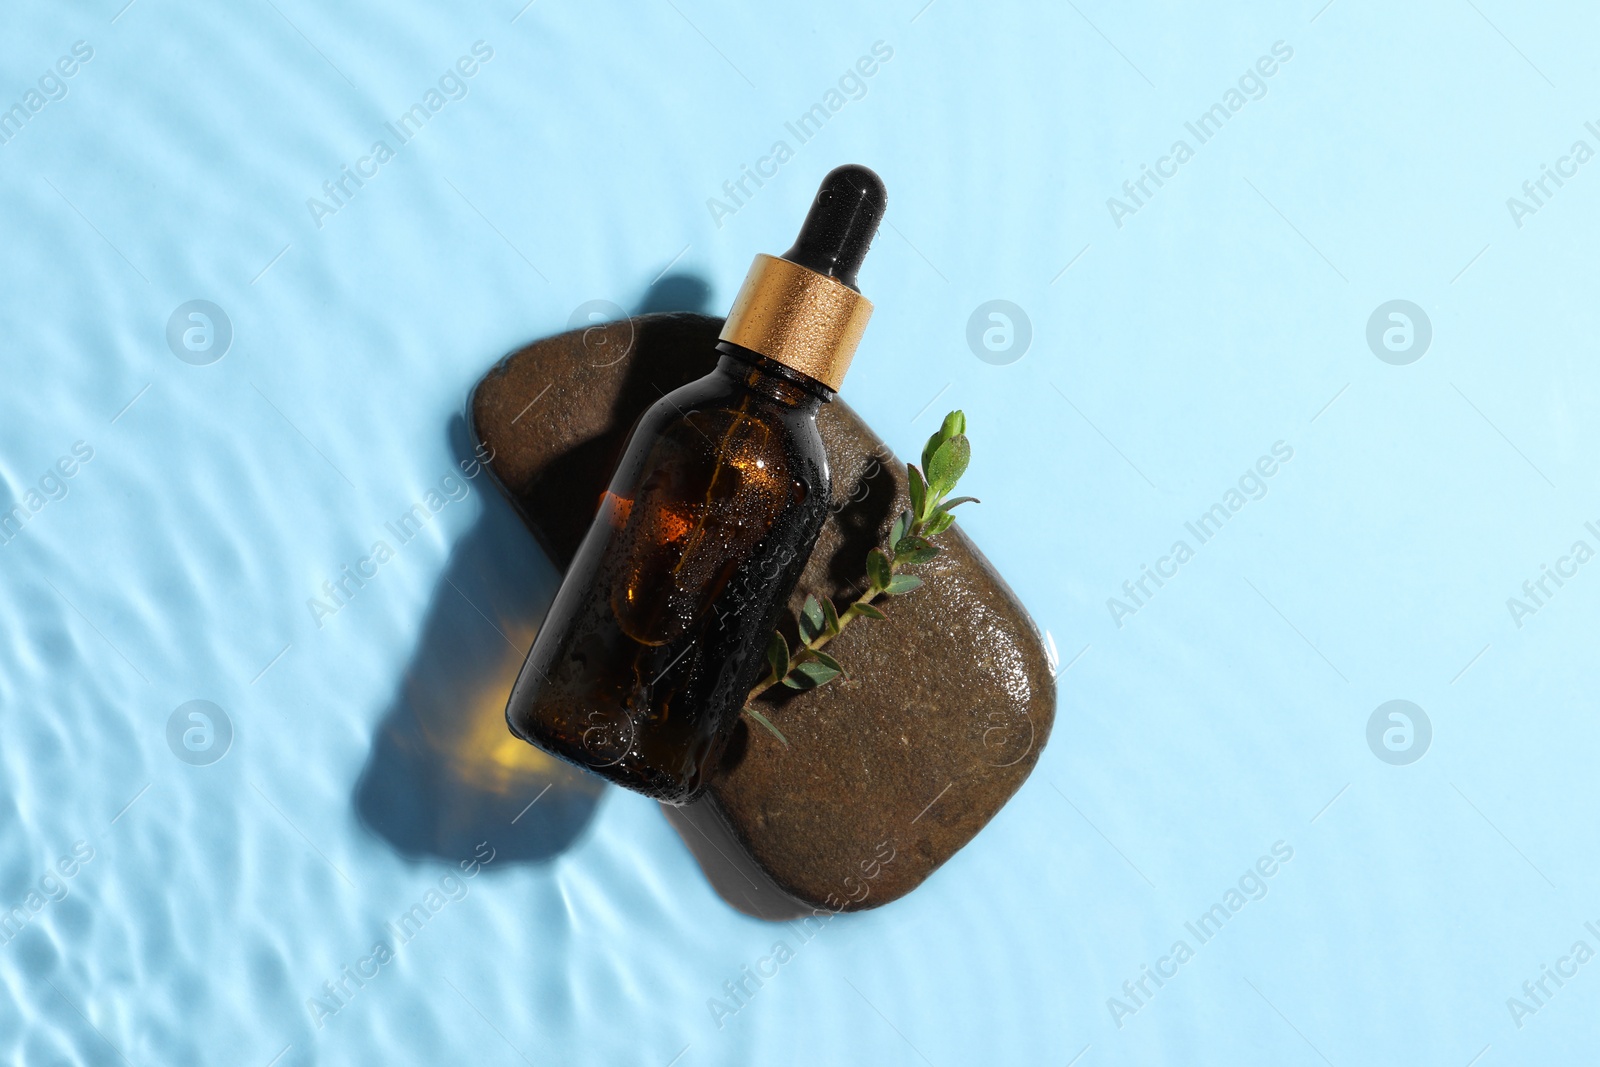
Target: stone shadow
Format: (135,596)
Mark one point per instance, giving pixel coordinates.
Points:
(444,772)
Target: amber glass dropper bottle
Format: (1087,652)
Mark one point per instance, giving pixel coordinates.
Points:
(660,627)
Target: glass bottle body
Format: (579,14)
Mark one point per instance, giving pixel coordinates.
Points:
(660,626)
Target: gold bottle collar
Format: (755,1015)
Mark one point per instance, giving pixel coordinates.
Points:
(806,321)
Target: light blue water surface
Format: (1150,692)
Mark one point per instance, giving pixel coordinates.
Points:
(1176,339)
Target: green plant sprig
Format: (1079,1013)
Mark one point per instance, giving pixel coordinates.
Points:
(944,461)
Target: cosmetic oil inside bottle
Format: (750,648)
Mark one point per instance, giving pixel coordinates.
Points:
(660,626)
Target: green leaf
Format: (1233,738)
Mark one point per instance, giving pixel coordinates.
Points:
(811,620)
(916,556)
(809,675)
(902,523)
(942,520)
(909,543)
(954,423)
(869,611)
(948,464)
(878,569)
(827,661)
(778,654)
(948,504)
(903,583)
(830,616)
(919,491)
(750,710)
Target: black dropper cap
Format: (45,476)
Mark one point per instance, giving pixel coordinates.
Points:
(841,223)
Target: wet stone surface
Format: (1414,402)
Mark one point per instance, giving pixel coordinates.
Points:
(890,770)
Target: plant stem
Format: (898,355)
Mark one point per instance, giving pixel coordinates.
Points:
(944,460)
(823,638)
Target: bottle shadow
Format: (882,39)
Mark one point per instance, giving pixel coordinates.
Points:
(444,772)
